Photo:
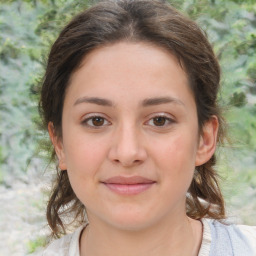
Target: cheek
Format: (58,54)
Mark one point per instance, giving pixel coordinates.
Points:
(84,155)
(177,149)
(84,161)
(176,159)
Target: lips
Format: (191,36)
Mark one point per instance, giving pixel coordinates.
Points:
(128,185)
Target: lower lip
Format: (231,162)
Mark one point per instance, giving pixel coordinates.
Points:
(129,189)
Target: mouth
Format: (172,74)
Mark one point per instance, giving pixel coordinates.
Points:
(128,185)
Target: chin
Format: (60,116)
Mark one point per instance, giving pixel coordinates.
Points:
(131,220)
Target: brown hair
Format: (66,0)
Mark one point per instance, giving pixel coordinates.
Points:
(150,21)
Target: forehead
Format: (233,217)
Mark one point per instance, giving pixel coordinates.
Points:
(131,54)
(132,69)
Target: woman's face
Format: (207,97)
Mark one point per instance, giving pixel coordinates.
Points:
(130,138)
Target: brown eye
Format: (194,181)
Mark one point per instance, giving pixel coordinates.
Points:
(97,121)
(159,121)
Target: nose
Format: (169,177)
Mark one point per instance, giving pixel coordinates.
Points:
(127,147)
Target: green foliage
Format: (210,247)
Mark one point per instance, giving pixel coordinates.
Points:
(17,69)
(34,244)
(238,99)
(28,28)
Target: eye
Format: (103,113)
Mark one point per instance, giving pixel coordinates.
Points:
(95,122)
(160,120)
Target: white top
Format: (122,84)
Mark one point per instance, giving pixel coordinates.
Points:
(69,244)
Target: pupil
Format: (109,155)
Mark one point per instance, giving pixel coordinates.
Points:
(97,121)
(159,121)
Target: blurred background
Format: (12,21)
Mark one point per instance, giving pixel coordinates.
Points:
(27,30)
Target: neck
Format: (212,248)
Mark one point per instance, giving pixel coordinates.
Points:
(182,236)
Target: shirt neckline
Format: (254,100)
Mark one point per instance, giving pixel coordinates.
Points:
(206,240)
(74,248)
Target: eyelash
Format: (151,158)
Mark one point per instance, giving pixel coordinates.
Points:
(86,121)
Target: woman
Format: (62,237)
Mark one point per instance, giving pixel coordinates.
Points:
(130,102)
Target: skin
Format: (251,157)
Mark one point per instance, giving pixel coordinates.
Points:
(129,139)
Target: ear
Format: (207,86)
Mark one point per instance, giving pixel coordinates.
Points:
(207,141)
(58,146)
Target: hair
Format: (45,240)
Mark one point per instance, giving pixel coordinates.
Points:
(149,21)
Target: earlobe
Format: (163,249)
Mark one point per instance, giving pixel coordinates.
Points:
(207,142)
(58,146)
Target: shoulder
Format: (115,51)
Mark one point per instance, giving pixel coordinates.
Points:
(59,247)
(233,239)
(249,232)
(68,245)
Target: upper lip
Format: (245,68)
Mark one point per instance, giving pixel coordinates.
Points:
(128,180)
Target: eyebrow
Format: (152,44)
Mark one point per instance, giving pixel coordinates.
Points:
(145,103)
(94,100)
(161,100)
